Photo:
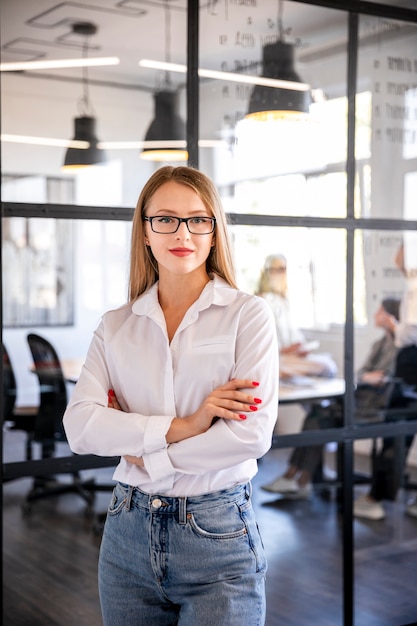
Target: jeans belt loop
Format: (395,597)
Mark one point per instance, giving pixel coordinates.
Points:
(129,497)
(182,510)
(248,488)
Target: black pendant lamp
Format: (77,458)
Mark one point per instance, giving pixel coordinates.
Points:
(167,128)
(84,130)
(272,103)
(85,125)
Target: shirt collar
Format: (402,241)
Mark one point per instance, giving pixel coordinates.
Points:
(217,291)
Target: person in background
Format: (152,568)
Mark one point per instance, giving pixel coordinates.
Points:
(385,481)
(295,353)
(372,380)
(181,383)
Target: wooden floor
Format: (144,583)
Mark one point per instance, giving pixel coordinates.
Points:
(50,558)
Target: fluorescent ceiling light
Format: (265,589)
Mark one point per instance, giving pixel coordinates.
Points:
(57,64)
(46,141)
(108,145)
(227,76)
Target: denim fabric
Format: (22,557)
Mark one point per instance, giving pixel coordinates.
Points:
(196,561)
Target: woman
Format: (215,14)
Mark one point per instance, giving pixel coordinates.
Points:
(296,358)
(182,360)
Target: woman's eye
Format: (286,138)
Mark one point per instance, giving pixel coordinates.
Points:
(198,220)
(165,220)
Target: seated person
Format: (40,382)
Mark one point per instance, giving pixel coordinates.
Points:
(295,354)
(378,367)
(385,480)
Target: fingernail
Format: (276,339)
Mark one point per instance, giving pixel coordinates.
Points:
(257,400)
(111,393)
(253,408)
(242,417)
(255,383)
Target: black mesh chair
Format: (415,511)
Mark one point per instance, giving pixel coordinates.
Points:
(14,418)
(48,429)
(389,464)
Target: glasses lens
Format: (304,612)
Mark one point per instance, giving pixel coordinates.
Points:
(166,224)
(200,225)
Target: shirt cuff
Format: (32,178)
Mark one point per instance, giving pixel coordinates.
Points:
(155,433)
(158,465)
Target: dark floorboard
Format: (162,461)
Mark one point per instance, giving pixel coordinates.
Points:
(50,558)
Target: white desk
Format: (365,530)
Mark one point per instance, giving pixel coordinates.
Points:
(72,369)
(315,388)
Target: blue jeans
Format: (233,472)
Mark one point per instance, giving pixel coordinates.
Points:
(195,561)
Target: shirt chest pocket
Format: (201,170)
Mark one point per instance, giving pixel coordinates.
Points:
(219,344)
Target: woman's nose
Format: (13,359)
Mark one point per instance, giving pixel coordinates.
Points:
(183,231)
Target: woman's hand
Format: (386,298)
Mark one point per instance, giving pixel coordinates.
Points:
(296,349)
(112,403)
(225,402)
(375,378)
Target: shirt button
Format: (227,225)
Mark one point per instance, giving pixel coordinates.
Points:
(157,503)
(174,346)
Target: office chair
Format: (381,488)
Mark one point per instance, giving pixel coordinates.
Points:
(15,418)
(48,428)
(402,405)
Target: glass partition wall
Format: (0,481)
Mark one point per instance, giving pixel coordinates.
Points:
(328,180)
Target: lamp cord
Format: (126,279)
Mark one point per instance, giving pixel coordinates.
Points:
(279,20)
(167,41)
(85,104)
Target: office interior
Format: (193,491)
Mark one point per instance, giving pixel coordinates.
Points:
(331,186)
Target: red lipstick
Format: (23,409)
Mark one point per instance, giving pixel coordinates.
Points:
(181,251)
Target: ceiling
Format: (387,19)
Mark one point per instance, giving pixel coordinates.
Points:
(231,33)
(135,29)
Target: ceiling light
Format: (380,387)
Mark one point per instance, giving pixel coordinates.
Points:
(108,145)
(85,124)
(227,76)
(167,124)
(57,64)
(267,103)
(166,127)
(44,141)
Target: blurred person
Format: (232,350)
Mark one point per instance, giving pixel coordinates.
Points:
(296,357)
(372,380)
(385,480)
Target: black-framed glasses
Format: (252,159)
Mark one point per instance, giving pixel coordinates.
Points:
(168,224)
(276,270)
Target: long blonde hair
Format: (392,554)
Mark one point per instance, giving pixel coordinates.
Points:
(269,284)
(143,265)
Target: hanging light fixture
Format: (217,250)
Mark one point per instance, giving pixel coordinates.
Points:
(85,124)
(167,130)
(269,103)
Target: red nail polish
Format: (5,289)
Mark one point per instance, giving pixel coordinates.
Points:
(257,400)
(255,384)
(242,417)
(253,408)
(111,393)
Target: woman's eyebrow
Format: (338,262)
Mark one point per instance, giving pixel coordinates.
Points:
(173,213)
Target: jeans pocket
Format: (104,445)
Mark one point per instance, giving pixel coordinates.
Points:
(118,500)
(223,522)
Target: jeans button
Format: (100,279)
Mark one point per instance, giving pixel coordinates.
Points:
(156,503)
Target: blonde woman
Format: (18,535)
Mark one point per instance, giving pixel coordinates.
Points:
(181,383)
(296,356)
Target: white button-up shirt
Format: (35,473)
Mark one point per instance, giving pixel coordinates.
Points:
(225,334)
